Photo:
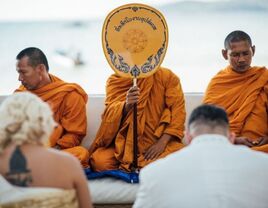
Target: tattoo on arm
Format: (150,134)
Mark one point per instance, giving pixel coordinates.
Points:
(18,173)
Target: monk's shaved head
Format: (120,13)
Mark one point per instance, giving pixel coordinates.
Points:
(236,36)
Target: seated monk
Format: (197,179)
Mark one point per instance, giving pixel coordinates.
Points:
(67,101)
(161,116)
(242,91)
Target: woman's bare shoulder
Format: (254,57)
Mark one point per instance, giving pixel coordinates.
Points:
(61,155)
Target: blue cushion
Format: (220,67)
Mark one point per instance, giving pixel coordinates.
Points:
(128,177)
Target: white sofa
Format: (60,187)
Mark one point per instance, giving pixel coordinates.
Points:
(108,192)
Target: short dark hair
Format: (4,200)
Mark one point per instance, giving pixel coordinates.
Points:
(236,36)
(210,115)
(36,56)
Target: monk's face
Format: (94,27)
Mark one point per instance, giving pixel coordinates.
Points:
(239,54)
(29,76)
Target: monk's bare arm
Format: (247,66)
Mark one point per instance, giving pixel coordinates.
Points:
(262,141)
(156,149)
(73,120)
(243,141)
(131,98)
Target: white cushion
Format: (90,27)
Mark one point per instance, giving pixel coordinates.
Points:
(112,191)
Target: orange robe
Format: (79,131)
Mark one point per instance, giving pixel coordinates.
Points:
(161,110)
(244,97)
(68,103)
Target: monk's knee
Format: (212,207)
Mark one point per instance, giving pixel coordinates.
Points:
(81,153)
(103,159)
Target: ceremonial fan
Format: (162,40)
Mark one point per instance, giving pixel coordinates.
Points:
(134,40)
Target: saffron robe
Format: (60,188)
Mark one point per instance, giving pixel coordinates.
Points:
(68,104)
(161,109)
(244,97)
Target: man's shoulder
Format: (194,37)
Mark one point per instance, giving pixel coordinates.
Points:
(227,71)
(260,67)
(61,83)
(166,77)
(246,157)
(115,79)
(61,86)
(252,154)
(221,72)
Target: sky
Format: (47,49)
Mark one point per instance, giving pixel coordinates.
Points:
(29,10)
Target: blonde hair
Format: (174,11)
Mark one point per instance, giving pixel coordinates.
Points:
(24,118)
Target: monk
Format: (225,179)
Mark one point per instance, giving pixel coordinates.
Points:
(161,116)
(242,90)
(67,101)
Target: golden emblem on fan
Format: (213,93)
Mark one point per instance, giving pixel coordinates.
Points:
(134,40)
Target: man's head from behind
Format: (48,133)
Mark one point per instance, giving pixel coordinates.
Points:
(208,119)
(238,50)
(32,66)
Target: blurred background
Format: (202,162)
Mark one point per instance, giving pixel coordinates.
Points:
(69,33)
